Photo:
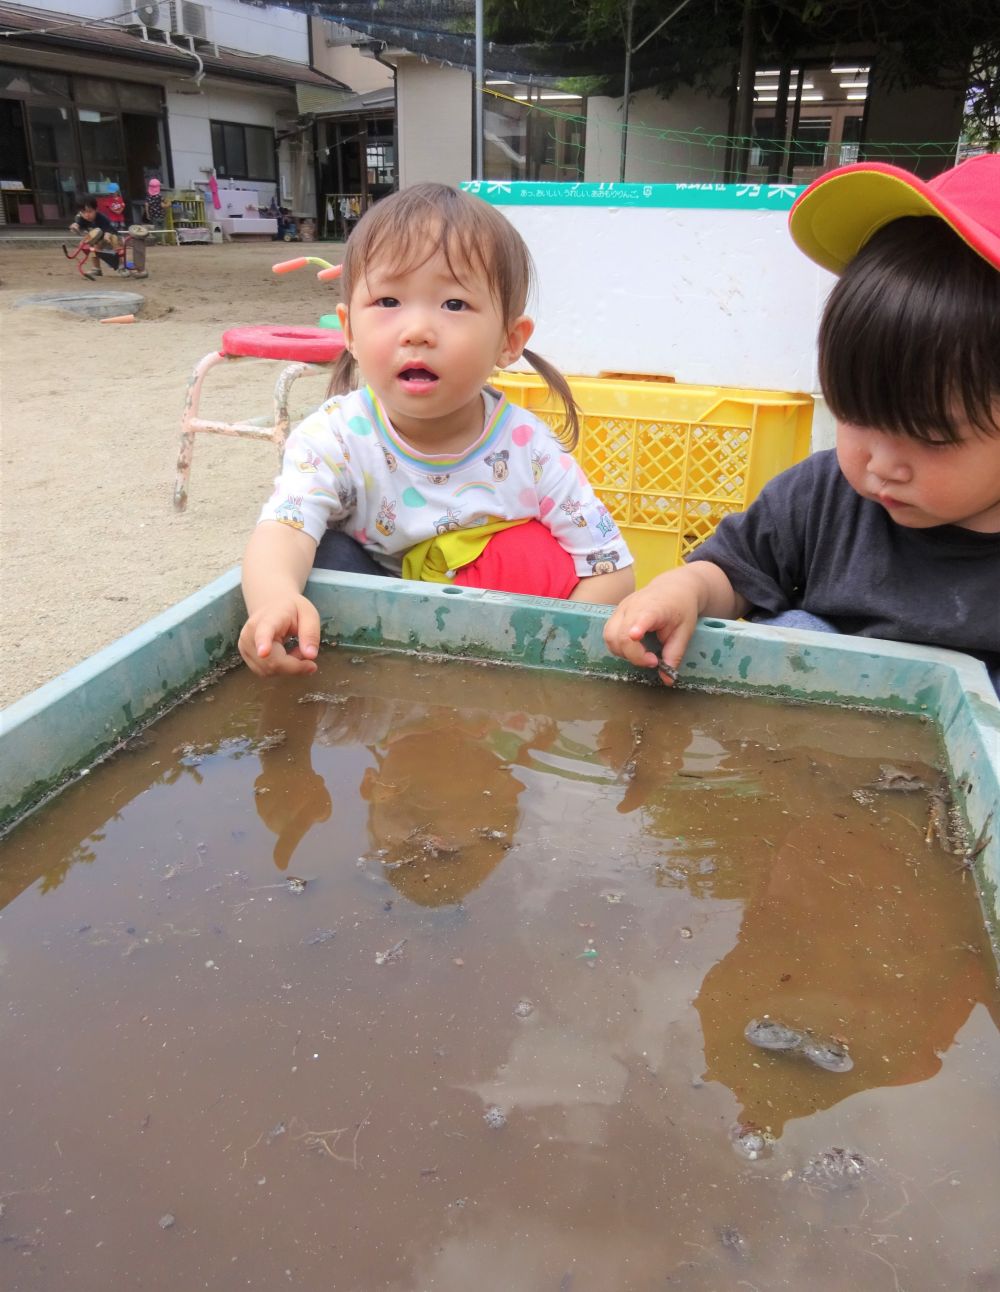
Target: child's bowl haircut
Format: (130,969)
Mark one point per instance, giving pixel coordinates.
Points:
(910,336)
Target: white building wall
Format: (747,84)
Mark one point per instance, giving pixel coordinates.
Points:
(434,123)
(278,32)
(190,130)
(81,8)
(334,54)
(268,29)
(721,297)
(650,157)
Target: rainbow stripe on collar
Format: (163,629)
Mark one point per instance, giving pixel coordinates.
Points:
(436,465)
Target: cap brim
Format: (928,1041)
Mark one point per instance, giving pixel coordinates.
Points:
(837,214)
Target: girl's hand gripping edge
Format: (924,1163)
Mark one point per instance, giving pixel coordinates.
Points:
(264,640)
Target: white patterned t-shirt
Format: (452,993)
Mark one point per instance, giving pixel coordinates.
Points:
(346,467)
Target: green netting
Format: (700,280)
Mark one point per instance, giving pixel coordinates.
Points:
(660,155)
(443,30)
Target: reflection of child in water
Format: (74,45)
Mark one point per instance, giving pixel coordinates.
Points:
(897,989)
(289,795)
(442,804)
(442,809)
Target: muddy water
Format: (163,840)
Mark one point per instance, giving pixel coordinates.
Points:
(431,976)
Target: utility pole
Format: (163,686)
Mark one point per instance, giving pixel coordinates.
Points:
(629,51)
(744,112)
(478,106)
(630,14)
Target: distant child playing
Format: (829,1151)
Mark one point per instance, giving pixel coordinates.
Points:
(896,533)
(427,472)
(100,233)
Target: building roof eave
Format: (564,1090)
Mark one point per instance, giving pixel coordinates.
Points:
(26,30)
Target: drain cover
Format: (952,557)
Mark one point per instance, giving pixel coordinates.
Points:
(96,305)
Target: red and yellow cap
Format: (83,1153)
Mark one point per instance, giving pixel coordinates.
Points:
(837,214)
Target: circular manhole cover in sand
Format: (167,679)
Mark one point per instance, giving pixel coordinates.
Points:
(95,305)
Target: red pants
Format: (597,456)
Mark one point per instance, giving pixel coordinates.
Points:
(525,558)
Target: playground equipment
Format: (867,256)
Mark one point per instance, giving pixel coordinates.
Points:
(129,249)
(327,273)
(300,349)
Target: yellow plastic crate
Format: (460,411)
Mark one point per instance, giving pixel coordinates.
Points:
(668,460)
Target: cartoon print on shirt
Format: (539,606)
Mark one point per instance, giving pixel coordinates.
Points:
(538,461)
(385,521)
(422,499)
(603,522)
(573,510)
(290,513)
(346,490)
(341,443)
(603,562)
(499,461)
(448,521)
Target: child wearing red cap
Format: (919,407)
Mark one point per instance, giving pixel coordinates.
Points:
(896,532)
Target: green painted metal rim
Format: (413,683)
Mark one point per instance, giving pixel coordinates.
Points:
(60,730)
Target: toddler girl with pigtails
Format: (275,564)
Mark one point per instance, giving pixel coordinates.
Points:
(426,472)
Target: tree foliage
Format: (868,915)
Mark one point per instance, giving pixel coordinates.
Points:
(916,42)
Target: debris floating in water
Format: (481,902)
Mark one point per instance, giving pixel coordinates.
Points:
(394,953)
(826,1053)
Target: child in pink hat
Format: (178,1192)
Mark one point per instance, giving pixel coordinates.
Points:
(896,532)
(153,212)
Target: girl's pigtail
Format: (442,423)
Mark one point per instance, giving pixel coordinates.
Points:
(557,383)
(342,374)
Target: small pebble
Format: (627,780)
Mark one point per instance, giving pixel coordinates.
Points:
(495,1118)
(459,962)
(167,1221)
(686,933)
(524,1009)
(752,1142)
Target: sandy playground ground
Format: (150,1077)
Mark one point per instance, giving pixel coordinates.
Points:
(90,545)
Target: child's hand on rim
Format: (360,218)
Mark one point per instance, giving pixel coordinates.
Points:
(264,640)
(668,607)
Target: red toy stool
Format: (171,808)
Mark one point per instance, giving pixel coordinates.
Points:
(300,348)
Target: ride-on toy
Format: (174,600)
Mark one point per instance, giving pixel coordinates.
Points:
(128,248)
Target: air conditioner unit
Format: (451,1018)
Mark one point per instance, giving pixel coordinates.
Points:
(154,16)
(189,19)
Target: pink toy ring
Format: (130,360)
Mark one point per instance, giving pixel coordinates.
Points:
(294,344)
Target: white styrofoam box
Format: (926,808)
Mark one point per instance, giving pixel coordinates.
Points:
(236,227)
(708,294)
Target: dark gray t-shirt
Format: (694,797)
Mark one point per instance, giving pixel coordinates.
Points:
(810,542)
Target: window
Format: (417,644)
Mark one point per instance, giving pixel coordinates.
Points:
(243,152)
(811,139)
(380,162)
